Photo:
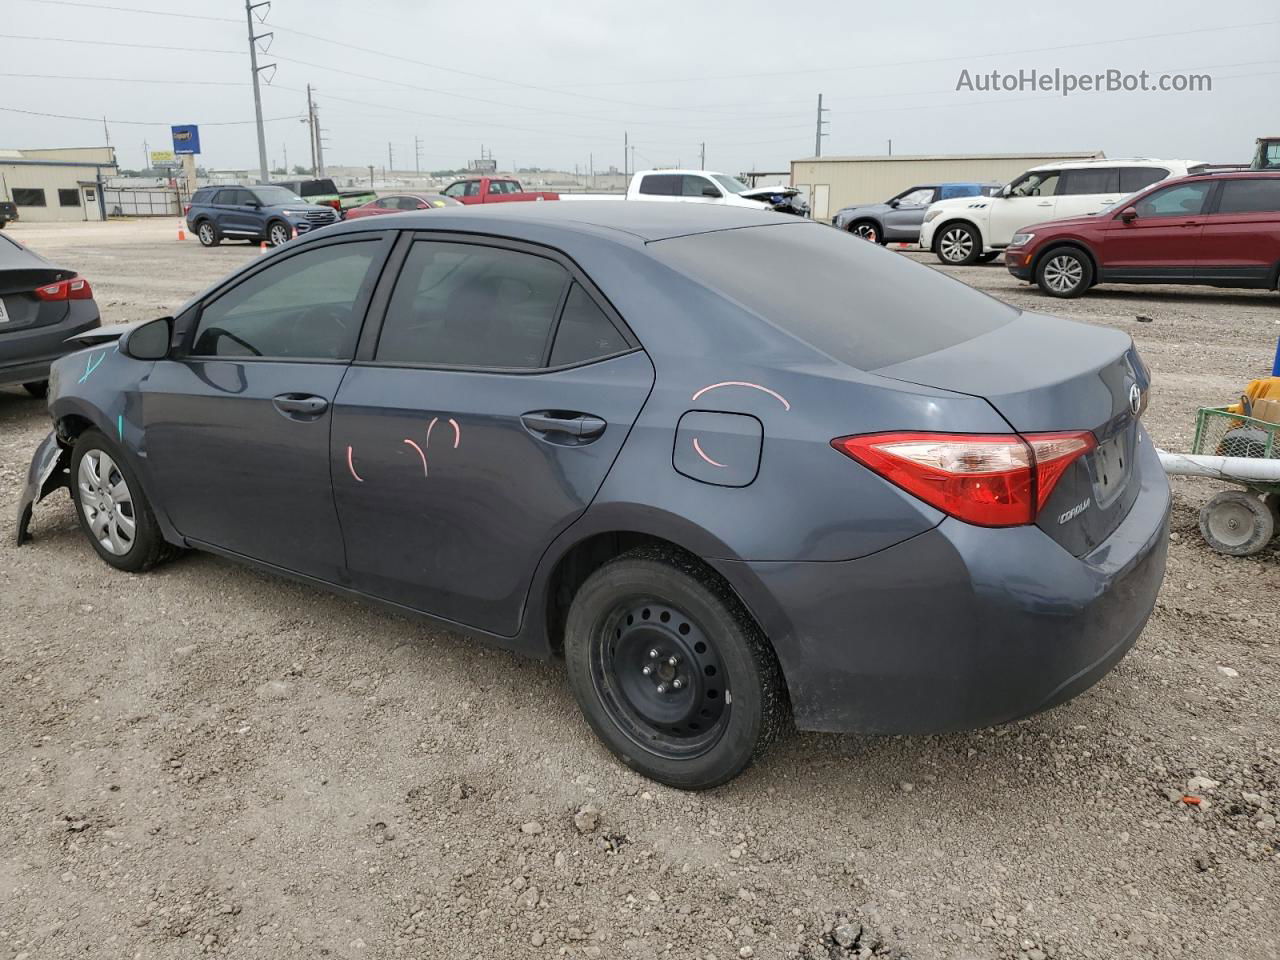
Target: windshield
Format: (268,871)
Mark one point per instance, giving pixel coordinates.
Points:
(732,184)
(276,196)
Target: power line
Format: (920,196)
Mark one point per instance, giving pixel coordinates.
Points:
(166,82)
(146,123)
(118,43)
(152,13)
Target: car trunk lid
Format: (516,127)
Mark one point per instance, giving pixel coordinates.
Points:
(21,273)
(1043,375)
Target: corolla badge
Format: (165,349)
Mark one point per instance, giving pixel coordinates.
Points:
(1075,511)
(1135,398)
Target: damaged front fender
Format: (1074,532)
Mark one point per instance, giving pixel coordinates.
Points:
(50,469)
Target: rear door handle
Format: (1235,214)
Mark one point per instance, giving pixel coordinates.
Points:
(300,406)
(556,426)
(1044,203)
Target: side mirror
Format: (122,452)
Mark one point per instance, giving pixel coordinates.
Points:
(895,203)
(1129,214)
(1006,190)
(710,191)
(150,341)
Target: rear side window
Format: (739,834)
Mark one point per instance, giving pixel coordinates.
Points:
(662,185)
(1094,180)
(585,333)
(861,305)
(1250,196)
(950,190)
(202,196)
(1182,200)
(1133,179)
(466,305)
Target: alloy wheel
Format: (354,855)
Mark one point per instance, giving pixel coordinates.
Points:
(867,231)
(956,245)
(107,503)
(206,234)
(279,234)
(1062,274)
(661,679)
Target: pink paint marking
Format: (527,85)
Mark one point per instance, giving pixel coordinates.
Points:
(697,448)
(457,433)
(431,426)
(420,453)
(351,467)
(742,383)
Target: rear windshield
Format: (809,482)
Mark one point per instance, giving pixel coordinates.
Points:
(857,302)
(318,188)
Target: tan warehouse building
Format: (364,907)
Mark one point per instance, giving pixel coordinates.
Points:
(61,184)
(834,182)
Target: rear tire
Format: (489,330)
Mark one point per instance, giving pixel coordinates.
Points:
(207,233)
(111,507)
(1237,523)
(710,701)
(958,245)
(1064,272)
(37,388)
(867,230)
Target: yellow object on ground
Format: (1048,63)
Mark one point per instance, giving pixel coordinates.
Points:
(1266,388)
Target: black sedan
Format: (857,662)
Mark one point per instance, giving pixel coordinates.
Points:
(41,305)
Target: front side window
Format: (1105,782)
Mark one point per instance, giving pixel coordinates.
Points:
(1038,183)
(304,307)
(732,184)
(1183,200)
(917,197)
(455,190)
(1250,196)
(467,305)
(1089,182)
(662,185)
(695,186)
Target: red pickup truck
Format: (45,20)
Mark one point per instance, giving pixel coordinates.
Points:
(492,190)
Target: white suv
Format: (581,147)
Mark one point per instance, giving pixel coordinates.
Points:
(969,230)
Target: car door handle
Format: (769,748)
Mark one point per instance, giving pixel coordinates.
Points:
(1044,203)
(300,406)
(558,426)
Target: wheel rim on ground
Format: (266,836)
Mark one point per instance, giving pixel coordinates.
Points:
(660,679)
(1063,274)
(107,503)
(1231,523)
(956,245)
(206,233)
(867,232)
(279,234)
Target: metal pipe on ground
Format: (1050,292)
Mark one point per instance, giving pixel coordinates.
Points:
(1238,469)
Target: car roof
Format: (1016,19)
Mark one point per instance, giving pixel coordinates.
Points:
(640,219)
(1115,162)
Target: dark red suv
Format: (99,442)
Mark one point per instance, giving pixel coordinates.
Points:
(1218,229)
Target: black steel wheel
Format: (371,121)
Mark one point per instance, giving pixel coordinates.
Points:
(671,673)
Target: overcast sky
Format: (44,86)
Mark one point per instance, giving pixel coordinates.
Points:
(550,84)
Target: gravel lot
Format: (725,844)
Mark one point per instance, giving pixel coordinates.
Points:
(209,760)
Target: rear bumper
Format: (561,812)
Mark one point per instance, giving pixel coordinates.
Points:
(25,355)
(961,626)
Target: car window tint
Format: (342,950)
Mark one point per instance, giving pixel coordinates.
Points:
(461,304)
(1250,196)
(406,203)
(950,190)
(585,332)
(862,306)
(454,189)
(919,197)
(694,185)
(472,188)
(1133,179)
(1039,183)
(303,307)
(1185,199)
(662,184)
(222,196)
(1093,180)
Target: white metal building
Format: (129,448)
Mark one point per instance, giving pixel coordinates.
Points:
(834,182)
(62,184)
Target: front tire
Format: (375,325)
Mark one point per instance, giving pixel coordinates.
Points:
(110,505)
(958,245)
(868,230)
(207,234)
(671,672)
(278,233)
(1064,272)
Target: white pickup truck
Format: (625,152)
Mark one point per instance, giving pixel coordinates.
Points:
(704,186)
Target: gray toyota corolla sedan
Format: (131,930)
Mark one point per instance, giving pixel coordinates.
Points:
(869,498)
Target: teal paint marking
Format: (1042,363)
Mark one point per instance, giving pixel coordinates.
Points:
(120,427)
(92,364)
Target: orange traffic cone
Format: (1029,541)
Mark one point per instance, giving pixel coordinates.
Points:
(262,247)
(182,233)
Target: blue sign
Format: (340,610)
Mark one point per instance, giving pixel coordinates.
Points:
(186,138)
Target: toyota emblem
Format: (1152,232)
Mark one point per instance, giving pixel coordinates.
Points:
(1135,399)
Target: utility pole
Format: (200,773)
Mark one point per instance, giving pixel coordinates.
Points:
(311,132)
(371,176)
(105,132)
(249,7)
(390,163)
(891,147)
(417,155)
(702,161)
(817,140)
(625,148)
(319,146)
(146,156)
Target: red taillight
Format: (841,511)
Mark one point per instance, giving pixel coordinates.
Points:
(186,208)
(76,288)
(999,480)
